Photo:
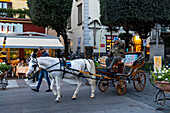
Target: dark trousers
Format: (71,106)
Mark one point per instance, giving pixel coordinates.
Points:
(115,59)
(41,75)
(35,76)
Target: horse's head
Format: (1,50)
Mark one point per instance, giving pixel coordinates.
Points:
(33,66)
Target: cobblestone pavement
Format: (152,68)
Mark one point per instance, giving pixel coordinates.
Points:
(19,98)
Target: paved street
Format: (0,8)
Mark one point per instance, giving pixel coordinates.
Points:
(21,99)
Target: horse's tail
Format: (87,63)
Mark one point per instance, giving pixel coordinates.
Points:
(92,69)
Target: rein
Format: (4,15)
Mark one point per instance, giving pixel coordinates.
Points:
(52,65)
(64,69)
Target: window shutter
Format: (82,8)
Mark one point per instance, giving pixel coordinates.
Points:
(9,4)
(79,14)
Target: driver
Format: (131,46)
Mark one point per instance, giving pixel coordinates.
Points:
(117,52)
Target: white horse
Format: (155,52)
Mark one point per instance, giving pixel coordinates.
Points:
(50,63)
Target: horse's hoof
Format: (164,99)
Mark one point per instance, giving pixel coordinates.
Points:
(74,98)
(92,96)
(57,101)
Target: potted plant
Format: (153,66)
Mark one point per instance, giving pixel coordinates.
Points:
(162,78)
(3,69)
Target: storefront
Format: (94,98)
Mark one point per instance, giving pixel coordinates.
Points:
(16,25)
(21,45)
(137,41)
(109,42)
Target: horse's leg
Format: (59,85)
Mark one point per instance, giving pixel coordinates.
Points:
(79,82)
(58,89)
(52,86)
(93,87)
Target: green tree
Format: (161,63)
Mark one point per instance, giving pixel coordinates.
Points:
(105,18)
(138,15)
(111,15)
(123,36)
(12,12)
(53,14)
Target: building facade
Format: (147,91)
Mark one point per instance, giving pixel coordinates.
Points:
(100,38)
(15,4)
(16,25)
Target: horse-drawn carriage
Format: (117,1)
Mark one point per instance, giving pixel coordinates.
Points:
(85,68)
(122,72)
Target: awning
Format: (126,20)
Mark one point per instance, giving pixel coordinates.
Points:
(17,42)
(1,42)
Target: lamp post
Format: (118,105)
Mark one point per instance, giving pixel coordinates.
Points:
(157,33)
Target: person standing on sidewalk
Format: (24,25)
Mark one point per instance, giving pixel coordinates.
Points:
(43,72)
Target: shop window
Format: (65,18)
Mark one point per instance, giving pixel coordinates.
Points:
(109,43)
(138,43)
(28,52)
(14,53)
(79,14)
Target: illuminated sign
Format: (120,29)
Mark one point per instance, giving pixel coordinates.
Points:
(109,42)
(157,63)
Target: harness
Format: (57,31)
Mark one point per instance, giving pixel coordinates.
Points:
(65,65)
(86,65)
(35,65)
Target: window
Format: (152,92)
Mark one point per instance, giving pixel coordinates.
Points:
(79,14)
(0,4)
(5,5)
(69,23)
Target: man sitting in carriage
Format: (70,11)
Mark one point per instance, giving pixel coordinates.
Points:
(116,54)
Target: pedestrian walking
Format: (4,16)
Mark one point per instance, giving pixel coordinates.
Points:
(43,72)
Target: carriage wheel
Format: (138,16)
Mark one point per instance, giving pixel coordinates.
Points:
(103,85)
(121,87)
(139,80)
(160,98)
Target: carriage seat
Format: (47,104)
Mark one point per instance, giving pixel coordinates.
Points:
(103,62)
(130,59)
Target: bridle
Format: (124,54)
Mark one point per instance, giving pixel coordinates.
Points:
(35,64)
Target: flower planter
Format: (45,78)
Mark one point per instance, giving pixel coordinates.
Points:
(163,85)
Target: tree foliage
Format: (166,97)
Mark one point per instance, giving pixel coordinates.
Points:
(136,15)
(13,12)
(166,40)
(51,13)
